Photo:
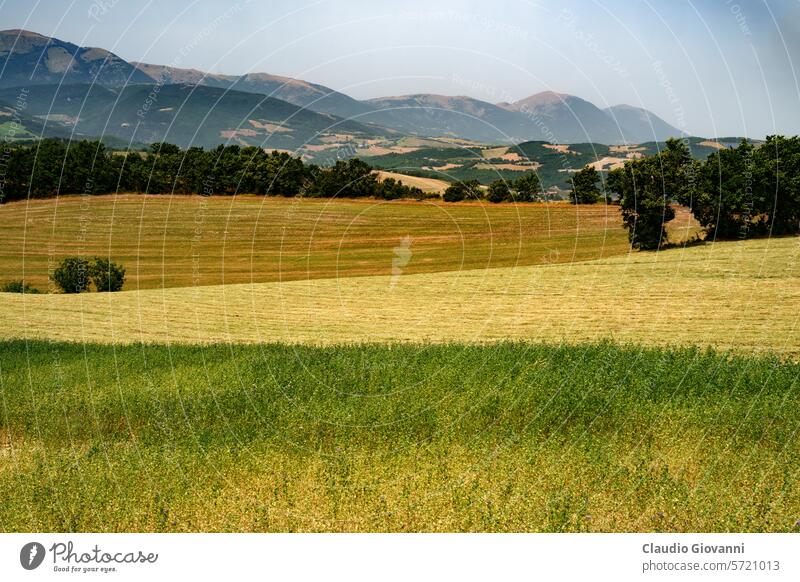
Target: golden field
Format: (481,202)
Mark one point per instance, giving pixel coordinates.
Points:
(733,295)
(180,241)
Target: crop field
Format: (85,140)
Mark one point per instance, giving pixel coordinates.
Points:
(427,185)
(507,437)
(180,241)
(742,296)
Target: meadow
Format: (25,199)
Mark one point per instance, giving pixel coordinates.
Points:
(179,241)
(739,296)
(405,437)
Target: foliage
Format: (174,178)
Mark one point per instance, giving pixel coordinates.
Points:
(106,275)
(72,275)
(249,431)
(459,191)
(528,187)
(19,287)
(647,188)
(499,191)
(391,189)
(584,186)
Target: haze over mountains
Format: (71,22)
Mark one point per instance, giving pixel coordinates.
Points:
(90,92)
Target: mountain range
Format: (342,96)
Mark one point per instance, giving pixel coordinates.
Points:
(89,91)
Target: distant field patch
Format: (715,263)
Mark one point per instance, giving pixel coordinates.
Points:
(428,185)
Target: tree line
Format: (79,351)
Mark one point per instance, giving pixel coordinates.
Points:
(52,167)
(736,193)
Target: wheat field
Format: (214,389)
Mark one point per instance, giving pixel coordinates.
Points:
(734,295)
(179,241)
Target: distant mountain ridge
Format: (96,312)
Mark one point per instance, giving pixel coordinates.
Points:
(31,59)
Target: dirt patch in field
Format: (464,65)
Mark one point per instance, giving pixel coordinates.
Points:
(560,148)
(443,168)
(431,185)
(712,144)
(608,163)
(509,167)
(270,127)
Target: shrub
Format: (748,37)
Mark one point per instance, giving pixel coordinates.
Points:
(499,192)
(107,276)
(72,275)
(462,190)
(19,287)
(584,186)
(528,187)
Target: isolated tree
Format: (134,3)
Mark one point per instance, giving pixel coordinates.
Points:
(528,187)
(645,206)
(107,276)
(499,191)
(584,186)
(72,275)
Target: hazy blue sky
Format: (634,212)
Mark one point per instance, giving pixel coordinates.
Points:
(710,67)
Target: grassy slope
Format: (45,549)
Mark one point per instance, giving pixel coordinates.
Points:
(505,437)
(739,295)
(190,240)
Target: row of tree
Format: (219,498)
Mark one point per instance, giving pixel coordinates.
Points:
(53,167)
(736,192)
(526,188)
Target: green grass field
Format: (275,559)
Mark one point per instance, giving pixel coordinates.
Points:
(508,437)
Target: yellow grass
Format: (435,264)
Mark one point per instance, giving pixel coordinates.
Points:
(175,241)
(739,295)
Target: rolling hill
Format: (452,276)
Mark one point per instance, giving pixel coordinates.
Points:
(301,93)
(182,114)
(31,59)
(28,58)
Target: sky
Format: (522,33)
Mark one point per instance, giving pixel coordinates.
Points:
(709,67)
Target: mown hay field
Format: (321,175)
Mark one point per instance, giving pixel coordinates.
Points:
(743,296)
(182,241)
(502,437)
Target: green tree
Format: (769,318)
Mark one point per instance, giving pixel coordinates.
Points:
(19,287)
(499,192)
(528,187)
(459,191)
(353,178)
(776,179)
(722,195)
(584,186)
(72,275)
(643,200)
(106,275)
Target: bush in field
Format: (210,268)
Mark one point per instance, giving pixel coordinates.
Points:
(528,187)
(499,192)
(72,275)
(19,287)
(107,276)
(584,186)
(391,189)
(459,191)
